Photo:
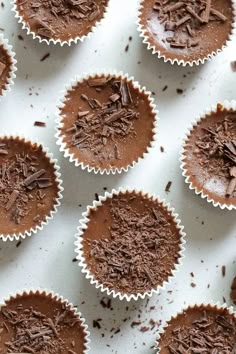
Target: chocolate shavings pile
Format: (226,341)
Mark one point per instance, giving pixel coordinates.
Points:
(34,332)
(183,18)
(67,10)
(217,150)
(19,175)
(140,252)
(206,335)
(106,123)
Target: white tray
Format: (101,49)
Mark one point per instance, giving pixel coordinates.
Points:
(45,260)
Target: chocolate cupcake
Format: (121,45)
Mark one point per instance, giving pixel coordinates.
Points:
(199,329)
(30,187)
(186,32)
(209,156)
(129,244)
(41,322)
(64,21)
(7,66)
(106,122)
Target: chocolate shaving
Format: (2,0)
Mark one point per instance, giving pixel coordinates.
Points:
(39,124)
(12,199)
(34,177)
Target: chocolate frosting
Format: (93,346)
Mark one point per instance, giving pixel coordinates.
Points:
(187,30)
(61,19)
(107,122)
(40,323)
(28,187)
(210,156)
(131,243)
(200,329)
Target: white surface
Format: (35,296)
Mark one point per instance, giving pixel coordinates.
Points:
(45,260)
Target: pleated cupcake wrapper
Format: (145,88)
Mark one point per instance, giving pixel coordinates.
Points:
(60,300)
(63,146)
(82,261)
(228,105)
(211,305)
(58,180)
(144,36)
(12,74)
(49,41)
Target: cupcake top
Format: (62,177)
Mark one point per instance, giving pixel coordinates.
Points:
(200,329)
(131,243)
(61,19)
(28,186)
(107,122)
(209,157)
(5,68)
(40,323)
(186,30)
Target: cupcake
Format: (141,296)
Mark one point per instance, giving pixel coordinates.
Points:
(209,156)
(7,66)
(63,22)
(41,322)
(129,244)
(186,32)
(30,187)
(199,329)
(106,122)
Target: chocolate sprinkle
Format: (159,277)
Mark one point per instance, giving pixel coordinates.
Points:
(184,18)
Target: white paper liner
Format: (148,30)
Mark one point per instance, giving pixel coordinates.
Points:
(48,41)
(82,262)
(58,181)
(228,105)
(59,299)
(10,81)
(211,304)
(59,124)
(142,33)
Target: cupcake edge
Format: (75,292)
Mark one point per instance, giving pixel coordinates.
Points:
(228,105)
(81,259)
(58,180)
(211,305)
(57,298)
(66,151)
(69,42)
(182,62)
(12,74)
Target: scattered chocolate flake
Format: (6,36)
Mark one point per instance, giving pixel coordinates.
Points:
(223,269)
(130,257)
(47,55)
(144,329)
(165,88)
(135,324)
(74,260)
(127,48)
(162,149)
(20,37)
(184,18)
(106,303)
(18,244)
(96,324)
(233,66)
(167,189)
(204,332)
(179,91)
(39,124)
(96,197)
(233,291)
(193,285)
(216,150)
(192,274)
